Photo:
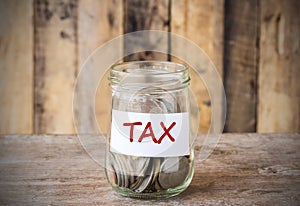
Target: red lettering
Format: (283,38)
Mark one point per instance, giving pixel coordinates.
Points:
(150,134)
(166,132)
(131,128)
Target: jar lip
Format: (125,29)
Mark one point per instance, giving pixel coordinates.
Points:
(118,68)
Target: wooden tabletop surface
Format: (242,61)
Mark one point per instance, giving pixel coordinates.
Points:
(244,169)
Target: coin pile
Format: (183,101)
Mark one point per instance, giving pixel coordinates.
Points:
(148,174)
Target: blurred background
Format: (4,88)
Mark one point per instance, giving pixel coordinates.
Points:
(253,43)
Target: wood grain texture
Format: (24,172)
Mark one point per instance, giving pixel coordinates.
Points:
(201,22)
(98,22)
(241,63)
(279,88)
(146,15)
(43,43)
(244,169)
(55,64)
(16,67)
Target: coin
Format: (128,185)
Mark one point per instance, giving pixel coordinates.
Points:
(147,178)
(145,102)
(173,172)
(130,171)
(167,101)
(156,169)
(111,173)
(152,186)
(136,183)
(118,169)
(139,166)
(123,161)
(115,168)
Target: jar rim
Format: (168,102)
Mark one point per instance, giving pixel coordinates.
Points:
(122,68)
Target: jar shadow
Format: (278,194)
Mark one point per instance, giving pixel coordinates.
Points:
(199,185)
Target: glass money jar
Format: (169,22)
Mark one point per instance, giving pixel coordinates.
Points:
(149,149)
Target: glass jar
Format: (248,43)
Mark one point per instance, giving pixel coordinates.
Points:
(149,152)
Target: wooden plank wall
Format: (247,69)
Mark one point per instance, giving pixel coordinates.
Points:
(279,68)
(56,64)
(254,44)
(16,66)
(146,15)
(98,22)
(241,50)
(201,21)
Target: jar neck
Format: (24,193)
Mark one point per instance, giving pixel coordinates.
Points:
(156,76)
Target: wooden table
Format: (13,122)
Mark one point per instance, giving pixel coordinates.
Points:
(244,169)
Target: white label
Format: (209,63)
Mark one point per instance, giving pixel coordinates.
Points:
(150,135)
